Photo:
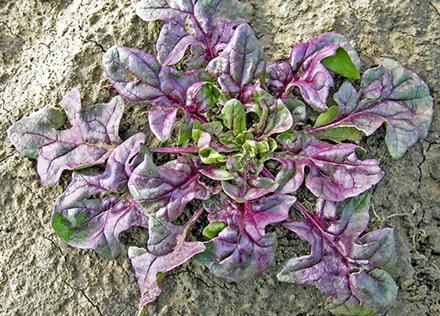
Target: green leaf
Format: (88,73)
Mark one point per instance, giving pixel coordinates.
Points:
(215,127)
(243,137)
(210,156)
(327,117)
(234,116)
(213,229)
(341,64)
(339,134)
(185,132)
(227,138)
(286,138)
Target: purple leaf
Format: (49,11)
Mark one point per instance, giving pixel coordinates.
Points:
(306,70)
(335,173)
(166,190)
(172,43)
(90,140)
(279,76)
(314,80)
(243,250)
(137,76)
(389,94)
(172,251)
(348,269)
(189,23)
(302,52)
(162,122)
(149,268)
(241,62)
(87,222)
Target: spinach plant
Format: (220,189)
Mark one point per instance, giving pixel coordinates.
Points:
(247,136)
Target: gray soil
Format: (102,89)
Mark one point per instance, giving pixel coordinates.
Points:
(48,47)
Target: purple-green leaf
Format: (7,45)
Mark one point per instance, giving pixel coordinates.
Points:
(243,250)
(93,134)
(352,271)
(335,172)
(389,94)
(162,236)
(167,189)
(87,221)
(248,187)
(274,116)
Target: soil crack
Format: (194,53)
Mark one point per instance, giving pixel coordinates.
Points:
(85,296)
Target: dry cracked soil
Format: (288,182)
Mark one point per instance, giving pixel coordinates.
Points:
(48,47)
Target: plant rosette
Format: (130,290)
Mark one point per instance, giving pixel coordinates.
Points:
(246,142)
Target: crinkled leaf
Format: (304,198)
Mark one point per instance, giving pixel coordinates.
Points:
(341,64)
(166,190)
(389,94)
(351,271)
(201,96)
(243,250)
(297,109)
(335,172)
(89,141)
(148,267)
(234,116)
(89,222)
(241,62)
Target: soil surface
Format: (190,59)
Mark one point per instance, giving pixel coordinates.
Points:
(48,47)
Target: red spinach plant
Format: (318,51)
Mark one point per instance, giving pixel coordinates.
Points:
(244,146)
